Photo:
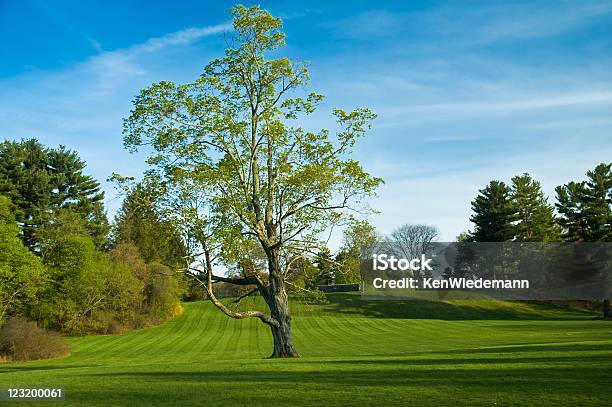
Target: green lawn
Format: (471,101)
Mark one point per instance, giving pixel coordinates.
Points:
(354,353)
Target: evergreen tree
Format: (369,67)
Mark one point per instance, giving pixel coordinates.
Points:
(586,207)
(494,214)
(536,218)
(586,212)
(324,263)
(139,222)
(41,180)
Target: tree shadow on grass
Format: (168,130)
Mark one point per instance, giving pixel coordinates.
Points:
(10,368)
(432,373)
(464,310)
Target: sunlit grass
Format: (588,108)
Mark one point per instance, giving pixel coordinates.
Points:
(355,352)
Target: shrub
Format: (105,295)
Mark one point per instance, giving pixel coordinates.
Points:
(162,292)
(24,340)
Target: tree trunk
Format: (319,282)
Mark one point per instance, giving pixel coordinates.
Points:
(278,302)
(607,311)
(283,339)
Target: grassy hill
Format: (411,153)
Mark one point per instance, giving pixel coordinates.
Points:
(355,352)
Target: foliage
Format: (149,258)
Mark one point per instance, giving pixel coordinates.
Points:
(41,180)
(228,155)
(86,284)
(324,262)
(21,272)
(586,207)
(22,340)
(494,214)
(359,240)
(536,217)
(140,223)
(305,273)
(162,291)
(304,295)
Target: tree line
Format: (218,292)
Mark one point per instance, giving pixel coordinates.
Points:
(63,265)
(520,212)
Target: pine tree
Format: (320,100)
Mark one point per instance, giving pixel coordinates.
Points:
(139,222)
(40,180)
(535,216)
(586,212)
(493,214)
(586,207)
(324,262)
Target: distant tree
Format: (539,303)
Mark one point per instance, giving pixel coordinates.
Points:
(413,240)
(163,292)
(358,243)
(535,216)
(410,241)
(586,207)
(41,180)
(494,214)
(87,291)
(325,264)
(21,272)
(304,273)
(161,285)
(232,135)
(586,213)
(140,222)
(463,237)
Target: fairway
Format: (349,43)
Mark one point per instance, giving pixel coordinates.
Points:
(354,353)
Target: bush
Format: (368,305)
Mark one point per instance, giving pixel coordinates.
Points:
(162,292)
(24,340)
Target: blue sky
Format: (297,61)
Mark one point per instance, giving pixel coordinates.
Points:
(465,91)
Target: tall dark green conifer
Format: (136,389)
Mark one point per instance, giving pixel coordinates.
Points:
(41,180)
(324,262)
(140,223)
(493,214)
(586,213)
(586,207)
(535,216)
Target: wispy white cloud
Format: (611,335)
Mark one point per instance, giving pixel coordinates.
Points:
(529,103)
(82,106)
(488,22)
(182,37)
(527,20)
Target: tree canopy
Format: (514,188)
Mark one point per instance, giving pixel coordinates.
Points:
(41,180)
(232,138)
(494,214)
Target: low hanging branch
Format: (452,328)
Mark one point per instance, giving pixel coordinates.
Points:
(231,313)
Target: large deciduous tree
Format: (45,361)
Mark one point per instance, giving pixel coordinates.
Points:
(228,148)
